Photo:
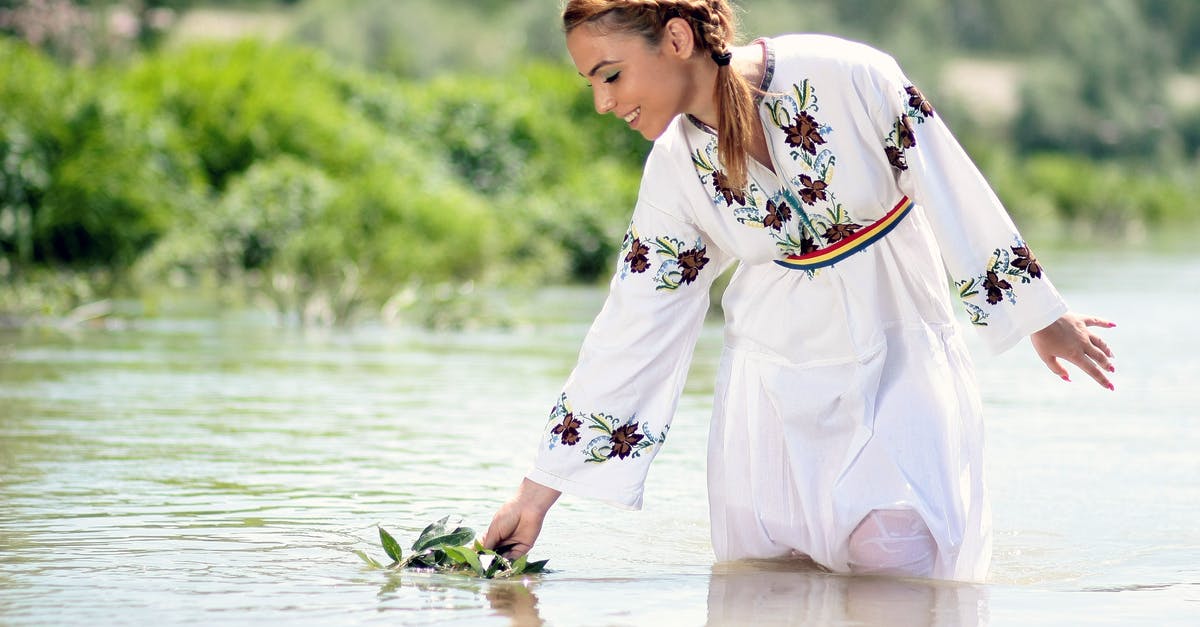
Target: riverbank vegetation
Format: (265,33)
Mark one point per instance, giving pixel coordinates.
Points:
(362,164)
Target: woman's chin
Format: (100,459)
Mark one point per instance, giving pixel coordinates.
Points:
(652,133)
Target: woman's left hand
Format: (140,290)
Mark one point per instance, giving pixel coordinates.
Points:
(1070,338)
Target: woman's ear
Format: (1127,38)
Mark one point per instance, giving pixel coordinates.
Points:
(678,38)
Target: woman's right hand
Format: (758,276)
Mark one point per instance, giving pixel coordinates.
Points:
(518,522)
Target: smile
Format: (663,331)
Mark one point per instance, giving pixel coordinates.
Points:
(632,115)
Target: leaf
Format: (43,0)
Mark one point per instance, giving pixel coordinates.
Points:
(419,560)
(390,546)
(455,553)
(464,555)
(518,566)
(432,530)
(458,537)
(368,559)
(535,567)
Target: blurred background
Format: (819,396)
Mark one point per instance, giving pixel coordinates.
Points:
(389,160)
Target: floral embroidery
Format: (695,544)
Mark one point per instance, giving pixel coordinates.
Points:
(619,440)
(623,439)
(807,245)
(612,437)
(837,232)
(811,191)
(753,207)
(777,215)
(569,429)
(995,287)
(804,133)
(637,258)
(902,137)
(896,157)
(917,103)
(1005,268)
(730,194)
(1026,261)
(904,133)
(793,114)
(804,214)
(691,263)
(680,265)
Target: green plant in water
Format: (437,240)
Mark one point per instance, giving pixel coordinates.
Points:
(447,550)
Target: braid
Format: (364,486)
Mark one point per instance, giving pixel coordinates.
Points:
(714,28)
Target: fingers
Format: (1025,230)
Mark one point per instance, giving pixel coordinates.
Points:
(1093,370)
(1101,344)
(514,550)
(1099,358)
(1055,367)
(1092,321)
(490,538)
(501,528)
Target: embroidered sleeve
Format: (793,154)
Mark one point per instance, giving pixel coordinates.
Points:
(1001,283)
(616,407)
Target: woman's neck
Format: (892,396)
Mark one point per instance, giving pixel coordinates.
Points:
(749,61)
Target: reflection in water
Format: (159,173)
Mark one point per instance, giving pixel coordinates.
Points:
(773,592)
(424,596)
(516,601)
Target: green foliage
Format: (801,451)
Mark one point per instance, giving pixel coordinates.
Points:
(443,549)
(333,192)
(423,39)
(87,181)
(1103,199)
(237,104)
(532,144)
(1099,97)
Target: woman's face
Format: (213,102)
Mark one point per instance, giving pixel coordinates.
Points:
(647,86)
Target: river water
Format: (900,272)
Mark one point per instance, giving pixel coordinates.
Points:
(221,469)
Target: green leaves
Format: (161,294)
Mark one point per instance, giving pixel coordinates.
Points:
(444,549)
(436,535)
(390,546)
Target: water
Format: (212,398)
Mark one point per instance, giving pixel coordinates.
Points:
(221,470)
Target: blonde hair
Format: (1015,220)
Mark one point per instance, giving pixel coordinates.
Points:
(714,28)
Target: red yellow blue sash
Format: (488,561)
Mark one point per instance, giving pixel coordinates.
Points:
(848,246)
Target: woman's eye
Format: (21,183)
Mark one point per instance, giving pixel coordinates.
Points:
(612,78)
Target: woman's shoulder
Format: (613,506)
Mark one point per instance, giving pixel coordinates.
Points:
(816,54)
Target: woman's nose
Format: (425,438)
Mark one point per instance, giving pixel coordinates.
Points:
(603,100)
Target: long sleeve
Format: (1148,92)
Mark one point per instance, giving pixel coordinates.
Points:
(1003,287)
(616,408)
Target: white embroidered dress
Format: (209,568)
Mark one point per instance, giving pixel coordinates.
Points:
(842,389)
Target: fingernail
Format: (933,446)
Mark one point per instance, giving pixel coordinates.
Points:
(1112,324)
(1066,378)
(1110,387)
(1111,369)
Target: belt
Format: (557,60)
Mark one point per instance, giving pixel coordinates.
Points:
(849,245)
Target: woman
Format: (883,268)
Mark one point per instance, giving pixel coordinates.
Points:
(846,425)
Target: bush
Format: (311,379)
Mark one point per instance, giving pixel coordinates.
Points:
(86,180)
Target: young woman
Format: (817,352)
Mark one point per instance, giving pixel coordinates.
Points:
(846,425)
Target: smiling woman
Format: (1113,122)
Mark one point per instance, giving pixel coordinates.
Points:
(657,55)
(847,426)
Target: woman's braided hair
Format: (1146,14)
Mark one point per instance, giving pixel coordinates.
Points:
(714,28)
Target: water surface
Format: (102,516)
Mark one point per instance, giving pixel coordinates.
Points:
(222,469)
